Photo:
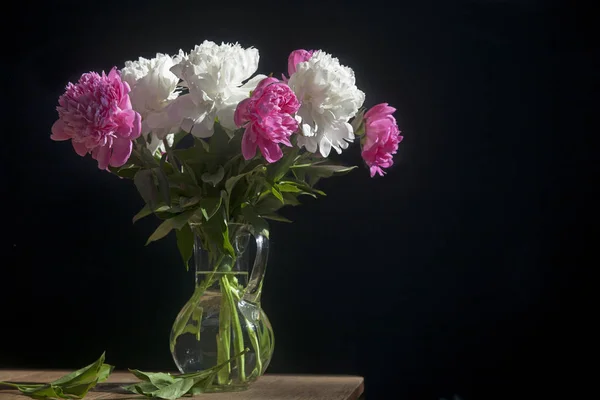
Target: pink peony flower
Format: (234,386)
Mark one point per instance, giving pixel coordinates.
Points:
(381,138)
(96,115)
(296,57)
(267,115)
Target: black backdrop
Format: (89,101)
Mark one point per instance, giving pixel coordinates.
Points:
(449,275)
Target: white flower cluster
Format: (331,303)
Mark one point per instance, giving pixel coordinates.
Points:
(218,77)
(329,98)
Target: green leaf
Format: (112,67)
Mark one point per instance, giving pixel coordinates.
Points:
(259,224)
(231,182)
(127,171)
(77,390)
(209,206)
(144,388)
(217,233)
(163,180)
(176,222)
(158,379)
(73,385)
(227,246)
(185,202)
(175,390)
(291,199)
(277,194)
(306,189)
(214,178)
(280,168)
(194,153)
(144,212)
(45,391)
(290,187)
(275,217)
(171,387)
(324,170)
(225,200)
(81,375)
(219,141)
(189,172)
(357,122)
(185,244)
(268,204)
(104,372)
(147,157)
(144,182)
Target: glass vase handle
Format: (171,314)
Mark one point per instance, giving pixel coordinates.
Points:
(254,288)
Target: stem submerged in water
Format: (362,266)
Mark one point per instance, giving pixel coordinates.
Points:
(238,337)
(224,337)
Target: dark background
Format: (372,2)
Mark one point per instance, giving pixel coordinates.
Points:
(458,272)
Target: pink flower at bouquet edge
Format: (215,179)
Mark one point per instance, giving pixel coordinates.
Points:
(268,118)
(381,138)
(296,57)
(96,115)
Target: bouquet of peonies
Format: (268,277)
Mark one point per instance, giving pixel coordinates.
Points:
(208,143)
(134,123)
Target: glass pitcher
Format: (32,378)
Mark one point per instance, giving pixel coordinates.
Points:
(223,320)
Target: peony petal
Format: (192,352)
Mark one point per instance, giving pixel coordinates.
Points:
(379,111)
(113,74)
(59,132)
(136,129)
(296,57)
(240,65)
(102,155)
(310,143)
(121,150)
(251,84)
(271,151)
(187,124)
(204,129)
(226,117)
(156,120)
(240,116)
(248,145)
(373,170)
(183,111)
(325,146)
(80,148)
(125,103)
(264,83)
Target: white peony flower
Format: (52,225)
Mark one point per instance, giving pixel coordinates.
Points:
(214,75)
(153,88)
(329,98)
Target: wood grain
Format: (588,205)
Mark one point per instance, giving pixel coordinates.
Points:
(268,387)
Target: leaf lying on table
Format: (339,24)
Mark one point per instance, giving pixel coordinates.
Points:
(170,387)
(72,386)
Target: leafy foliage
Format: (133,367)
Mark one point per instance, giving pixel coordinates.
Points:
(209,185)
(72,386)
(170,387)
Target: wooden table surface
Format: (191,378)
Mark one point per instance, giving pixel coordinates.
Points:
(268,387)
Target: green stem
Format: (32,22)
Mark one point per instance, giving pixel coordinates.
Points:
(238,338)
(9,384)
(224,337)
